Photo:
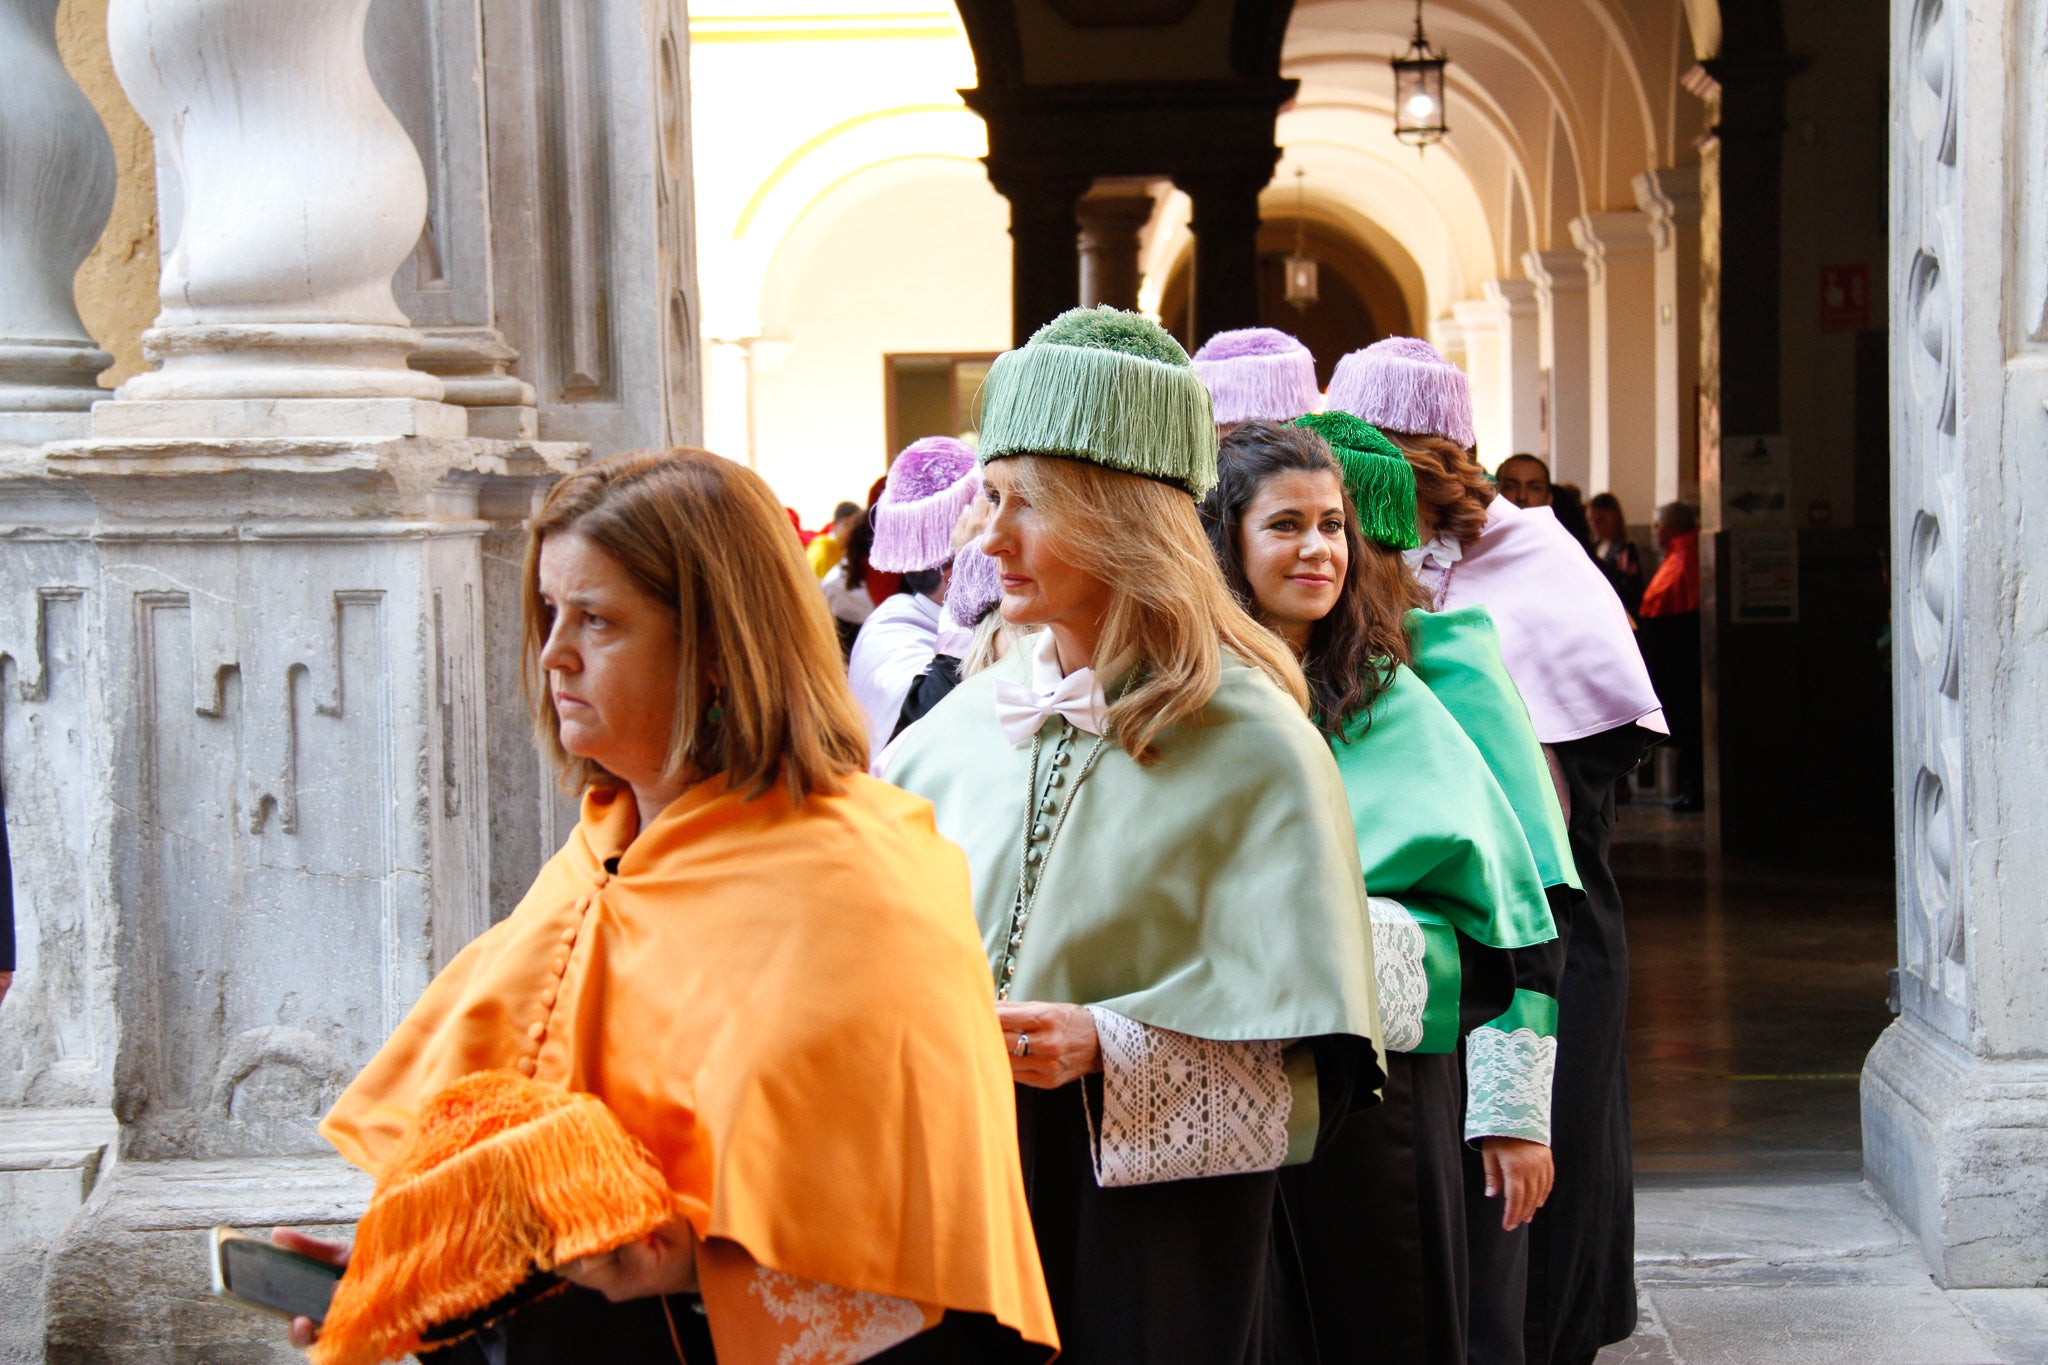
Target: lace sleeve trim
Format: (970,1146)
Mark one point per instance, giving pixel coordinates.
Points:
(1507,1082)
(1399,954)
(1175,1107)
(823,1324)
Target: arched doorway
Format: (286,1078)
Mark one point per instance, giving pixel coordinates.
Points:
(1359,299)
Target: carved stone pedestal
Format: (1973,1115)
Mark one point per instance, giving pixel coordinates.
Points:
(268,768)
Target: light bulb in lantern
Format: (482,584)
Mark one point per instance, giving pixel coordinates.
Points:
(1421,106)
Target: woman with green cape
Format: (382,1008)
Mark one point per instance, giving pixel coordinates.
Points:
(1450,801)
(1163,862)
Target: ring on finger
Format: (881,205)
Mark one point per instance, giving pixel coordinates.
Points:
(1023,1045)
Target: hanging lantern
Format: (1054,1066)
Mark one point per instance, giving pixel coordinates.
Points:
(1300,286)
(1419,90)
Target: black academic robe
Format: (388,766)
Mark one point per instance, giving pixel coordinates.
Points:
(1579,1253)
(1184,1272)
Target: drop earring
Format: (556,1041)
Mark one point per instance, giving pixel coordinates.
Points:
(715,713)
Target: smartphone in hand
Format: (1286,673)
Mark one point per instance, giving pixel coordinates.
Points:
(258,1274)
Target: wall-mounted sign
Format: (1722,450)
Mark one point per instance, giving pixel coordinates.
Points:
(1764,575)
(1845,298)
(1756,480)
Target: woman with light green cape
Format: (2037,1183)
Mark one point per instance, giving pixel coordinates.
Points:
(1163,862)
(1309,534)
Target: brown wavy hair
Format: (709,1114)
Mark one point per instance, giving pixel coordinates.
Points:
(1353,650)
(707,538)
(1170,612)
(1450,487)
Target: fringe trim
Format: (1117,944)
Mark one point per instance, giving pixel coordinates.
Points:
(1403,395)
(1383,493)
(1255,388)
(910,536)
(438,1246)
(1140,416)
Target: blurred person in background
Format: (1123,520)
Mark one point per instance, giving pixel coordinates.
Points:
(1669,631)
(1614,552)
(829,546)
(1524,481)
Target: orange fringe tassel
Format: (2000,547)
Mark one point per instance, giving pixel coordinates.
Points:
(500,1177)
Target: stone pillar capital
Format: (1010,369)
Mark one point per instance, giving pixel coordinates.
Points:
(1477,316)
(1671,196)
(1516,298)
(1556,272)
(1612,237)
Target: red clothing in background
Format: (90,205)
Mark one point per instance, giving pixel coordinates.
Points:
(1675,587)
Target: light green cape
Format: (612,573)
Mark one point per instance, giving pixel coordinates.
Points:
(1215,892)
(1457,654)
(1435,832)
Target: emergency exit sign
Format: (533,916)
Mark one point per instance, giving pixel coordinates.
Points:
(1845,298)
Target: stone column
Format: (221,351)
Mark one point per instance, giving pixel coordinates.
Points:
(1521,364)
(56,189)
(1562,330)
(1045,272)
(1621,297)
(1955,1094)
(1110,218)
(298,194)
(1672,199)
(1226,227)
(1479,323)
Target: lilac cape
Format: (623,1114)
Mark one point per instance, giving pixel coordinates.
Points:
(1564,635)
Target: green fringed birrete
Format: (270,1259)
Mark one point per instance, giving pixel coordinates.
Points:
(1104,385)
(1376,474)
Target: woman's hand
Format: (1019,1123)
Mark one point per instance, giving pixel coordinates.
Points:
(1060,1044)
(1521,1172)
(303,1330)
(662,1262)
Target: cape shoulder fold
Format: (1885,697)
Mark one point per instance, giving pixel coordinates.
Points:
(788,1006)
(1214,892)
(1564,634)
(1434,829)
(1457,655)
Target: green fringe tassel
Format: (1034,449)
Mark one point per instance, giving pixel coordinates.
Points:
(1128,412)
(1376,474)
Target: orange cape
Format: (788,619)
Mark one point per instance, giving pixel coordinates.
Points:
(789,1006)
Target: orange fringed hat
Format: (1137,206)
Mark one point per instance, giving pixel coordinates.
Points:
(499,1180)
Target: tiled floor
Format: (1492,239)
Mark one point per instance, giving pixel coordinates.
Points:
(1756,992)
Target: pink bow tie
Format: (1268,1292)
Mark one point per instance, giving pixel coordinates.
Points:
(1022,709)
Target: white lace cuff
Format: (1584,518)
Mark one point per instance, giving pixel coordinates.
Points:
(1507,1084)
(825,1325)
(1175,1107)
(1398,950)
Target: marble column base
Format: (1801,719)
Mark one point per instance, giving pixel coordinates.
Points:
(1957,1145)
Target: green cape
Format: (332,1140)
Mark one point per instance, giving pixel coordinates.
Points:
(1457,654)
(1435,832)
(1215,892)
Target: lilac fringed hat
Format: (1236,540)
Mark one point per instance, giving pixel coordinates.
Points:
(928,487)
(977,585)
(1403,384)
(1258,374)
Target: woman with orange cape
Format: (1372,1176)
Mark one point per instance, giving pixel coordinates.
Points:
(760,960)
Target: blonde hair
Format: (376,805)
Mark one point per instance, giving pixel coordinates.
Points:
(706,538)
(1170,613)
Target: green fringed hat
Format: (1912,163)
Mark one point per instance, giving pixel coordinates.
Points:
(1376,475)
(1104,385)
